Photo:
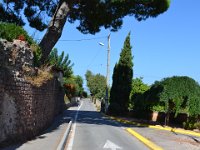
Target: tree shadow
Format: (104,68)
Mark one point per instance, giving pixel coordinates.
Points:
(96,118)
(84,117)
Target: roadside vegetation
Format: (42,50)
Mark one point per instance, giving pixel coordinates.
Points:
(57,13)
(40,73)
(72,84)
(96,84)
(122,80)
(172,96)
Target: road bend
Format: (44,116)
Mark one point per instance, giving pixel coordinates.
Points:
(93,131)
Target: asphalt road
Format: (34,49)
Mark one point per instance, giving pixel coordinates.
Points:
(92,131)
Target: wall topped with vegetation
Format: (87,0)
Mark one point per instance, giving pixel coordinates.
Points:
(28,102)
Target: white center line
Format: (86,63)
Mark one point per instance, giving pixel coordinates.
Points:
(71,141)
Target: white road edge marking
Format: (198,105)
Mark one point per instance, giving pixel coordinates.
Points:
(71,141)
(111,145)
(65,136)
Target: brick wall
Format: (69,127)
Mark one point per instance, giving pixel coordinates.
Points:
(25,110)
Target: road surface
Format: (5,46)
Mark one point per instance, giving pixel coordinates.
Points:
(92,131)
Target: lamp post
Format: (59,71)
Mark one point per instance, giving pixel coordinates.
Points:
(107,73)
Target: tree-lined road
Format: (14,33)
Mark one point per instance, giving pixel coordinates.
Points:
(92,131)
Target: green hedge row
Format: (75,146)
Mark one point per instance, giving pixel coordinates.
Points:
(11,31)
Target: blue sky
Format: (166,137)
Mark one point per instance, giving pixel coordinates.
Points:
(164,46)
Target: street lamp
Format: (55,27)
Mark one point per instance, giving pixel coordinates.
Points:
(100,43)
(107,73)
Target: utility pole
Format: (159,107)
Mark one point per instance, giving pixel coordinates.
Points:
(107,75)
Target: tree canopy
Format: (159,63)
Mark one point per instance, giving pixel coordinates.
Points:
(176,94)
(96,84)
(122,79)
(62,63)
(181,92)
(89,14)
(138,88)
(74,86)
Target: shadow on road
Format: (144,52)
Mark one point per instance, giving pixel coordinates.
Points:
(95,118)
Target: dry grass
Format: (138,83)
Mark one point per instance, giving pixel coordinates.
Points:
(34,47)
(42,77)
(66,99)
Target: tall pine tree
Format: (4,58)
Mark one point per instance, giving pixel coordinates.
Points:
(122,80)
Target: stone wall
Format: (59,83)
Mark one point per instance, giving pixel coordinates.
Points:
(25,110)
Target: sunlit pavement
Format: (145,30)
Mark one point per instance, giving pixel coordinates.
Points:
(169,140)
(92,131)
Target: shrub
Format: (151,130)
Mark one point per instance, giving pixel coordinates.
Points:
(85,94)
(158,108)
(138,88)
(197,125)
(60,63)
(191,124)
(181,93)
(11,31)
(176,94)
(70,90)
(37,54)
(171,95)
(114,109)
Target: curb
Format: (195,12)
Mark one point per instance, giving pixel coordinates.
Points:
(61,145)
(187,132)
(144,140)
(175,130)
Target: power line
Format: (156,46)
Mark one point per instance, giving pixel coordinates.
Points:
(148,76)
(78,40)
(92,60)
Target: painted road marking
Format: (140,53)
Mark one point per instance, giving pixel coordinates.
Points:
(181,131)
(71,141)
(148,143)
(176,130)
(64,138)
(111,145)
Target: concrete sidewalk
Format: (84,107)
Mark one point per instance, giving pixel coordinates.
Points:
(169,140)
(50,138)
(163,137)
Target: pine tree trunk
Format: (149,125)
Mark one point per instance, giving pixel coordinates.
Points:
(54,30)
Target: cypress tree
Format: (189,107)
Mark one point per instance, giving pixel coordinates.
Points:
(122,80)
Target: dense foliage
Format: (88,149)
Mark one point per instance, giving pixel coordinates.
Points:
(96,84)
(10,31)
(91,14)
(149,100)
(138,88)
(60,63)
(74,86)
(79,85)
(174,94)
(122,80)
(181,93)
